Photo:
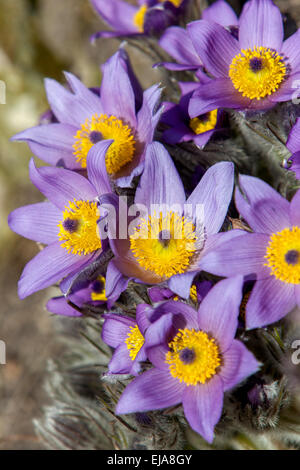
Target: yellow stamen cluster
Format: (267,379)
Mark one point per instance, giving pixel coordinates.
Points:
(134,341)
(139,18)
(120,152)
(78,230)
(164,257)
(193,293)
(96,295)
(283,255)
(204,123)
(194,357)
(258,72)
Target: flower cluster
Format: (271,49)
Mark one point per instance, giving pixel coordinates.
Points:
(209,255)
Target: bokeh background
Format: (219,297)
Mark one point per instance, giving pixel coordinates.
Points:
(40,38)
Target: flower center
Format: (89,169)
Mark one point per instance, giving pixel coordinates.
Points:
(103,127)
(283,255)
(134,341)
(205,122)
(139,18)
(257,72)
(98,289)
(164,245)
(193,357)
(78,230)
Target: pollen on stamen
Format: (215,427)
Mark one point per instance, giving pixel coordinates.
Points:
(283,255)
(78,231)
(103,127)
(98,289)
(204,122)
(194,357)
(134,341)
(258,72)
(165,245)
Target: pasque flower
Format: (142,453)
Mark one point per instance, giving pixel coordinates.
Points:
(271,253)
(293,144)
(93,294)
(67,223)
(177,42)
(126,336)
(122,113)
(255,71)
(196,358)
(149,17)
(169,243)
(181,127)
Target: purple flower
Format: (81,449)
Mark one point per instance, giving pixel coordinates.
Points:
(196,359)
(271,253)
(91,295)
(67,223)
(121,113)
(126,336)
(149,17)
(170,242)
(178,44)
(255,71)
(293,144)
(182,128)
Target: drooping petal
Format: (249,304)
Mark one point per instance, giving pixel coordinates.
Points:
(202,405)
(153,390)
(261,25)
(70,108)
(117,95)
(270,300)
(177,43)
(53,143)
(263,208)
(215,46)
(219,310)
(241,256)
(160,182)
(47,267)
(220,12)
(60,306)
(295,209)
(142,318)
(96,167)
(116,329)
(293,142)
(214,192)
(37,222)
(148,117)
(61,186)
(181,283)
(238,364)
(116,13)
(116,283)
(120,362)
(220,93)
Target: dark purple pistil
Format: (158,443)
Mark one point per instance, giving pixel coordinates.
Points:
(292,257)
(187,355)
(256,64)
(164,238)
(70,225)
(95,137)
(97,286)
(204,117)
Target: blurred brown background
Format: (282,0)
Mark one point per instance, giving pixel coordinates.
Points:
(38,38)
